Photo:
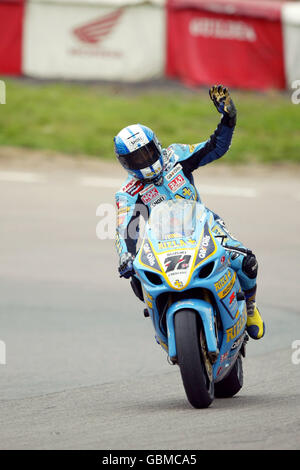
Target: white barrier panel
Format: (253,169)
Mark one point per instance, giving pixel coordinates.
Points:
(90,40)
(291,35)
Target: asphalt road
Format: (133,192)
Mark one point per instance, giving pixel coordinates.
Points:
(83,370)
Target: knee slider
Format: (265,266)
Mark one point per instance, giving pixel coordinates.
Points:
(250,266)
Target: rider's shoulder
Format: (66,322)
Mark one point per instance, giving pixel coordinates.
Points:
(178,152)
(176,148)
(171,155)
(130,188)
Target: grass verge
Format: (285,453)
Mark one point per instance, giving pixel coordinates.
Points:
(82,119)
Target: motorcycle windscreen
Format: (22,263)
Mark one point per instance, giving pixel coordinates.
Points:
(176,218)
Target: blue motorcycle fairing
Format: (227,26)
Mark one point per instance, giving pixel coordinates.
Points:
(162,296)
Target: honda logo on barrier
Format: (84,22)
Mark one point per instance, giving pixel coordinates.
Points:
(95,31)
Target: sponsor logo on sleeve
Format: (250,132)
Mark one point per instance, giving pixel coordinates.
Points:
(133,187)
(128,185)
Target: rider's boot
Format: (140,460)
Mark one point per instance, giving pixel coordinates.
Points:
(255,324)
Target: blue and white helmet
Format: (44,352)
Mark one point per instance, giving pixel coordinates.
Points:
(139,152)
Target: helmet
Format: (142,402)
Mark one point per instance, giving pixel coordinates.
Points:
(139,152)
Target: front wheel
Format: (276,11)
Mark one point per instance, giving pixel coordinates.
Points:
(196,372)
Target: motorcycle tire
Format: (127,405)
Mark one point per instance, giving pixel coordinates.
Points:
(199,387)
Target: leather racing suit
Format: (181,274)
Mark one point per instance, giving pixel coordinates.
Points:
(137,198)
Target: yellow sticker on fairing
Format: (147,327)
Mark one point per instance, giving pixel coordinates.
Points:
(228,277)
(235,330)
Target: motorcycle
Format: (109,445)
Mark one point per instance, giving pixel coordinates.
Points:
(193,298)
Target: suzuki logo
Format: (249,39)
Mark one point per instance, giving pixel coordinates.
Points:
(95,31)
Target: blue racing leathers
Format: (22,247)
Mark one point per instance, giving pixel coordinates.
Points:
(136,198)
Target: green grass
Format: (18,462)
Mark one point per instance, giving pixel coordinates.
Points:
(82,119)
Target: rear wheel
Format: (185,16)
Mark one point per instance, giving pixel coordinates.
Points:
(195,368)
(232,383)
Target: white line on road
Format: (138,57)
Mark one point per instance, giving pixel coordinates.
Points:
(227,191)
(98,182)
(114,183)
(20,177)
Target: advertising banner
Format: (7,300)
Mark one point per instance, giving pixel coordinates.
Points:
(291,28)
(11,25)
(94,41)
(240,47)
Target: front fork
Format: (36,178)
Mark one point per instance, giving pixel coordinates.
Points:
(205,310)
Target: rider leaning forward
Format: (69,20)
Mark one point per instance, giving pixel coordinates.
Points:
(156,174)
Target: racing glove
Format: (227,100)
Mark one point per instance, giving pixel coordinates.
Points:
(126,265)
(222,100)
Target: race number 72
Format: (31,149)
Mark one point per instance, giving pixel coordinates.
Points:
(177,262)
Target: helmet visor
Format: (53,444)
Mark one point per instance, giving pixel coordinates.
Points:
(140,158)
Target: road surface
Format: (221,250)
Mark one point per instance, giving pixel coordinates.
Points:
(83,370)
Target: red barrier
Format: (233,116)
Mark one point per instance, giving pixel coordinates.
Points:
(238,43)
(11,26)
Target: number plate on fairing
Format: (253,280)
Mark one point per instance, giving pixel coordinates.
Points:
(177,266)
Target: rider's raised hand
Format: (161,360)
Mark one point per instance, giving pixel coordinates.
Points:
(222,100)
(126,265)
